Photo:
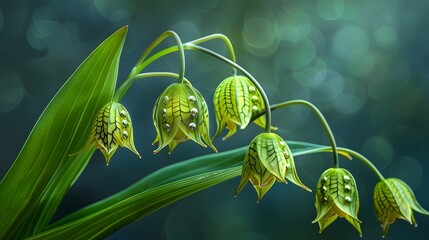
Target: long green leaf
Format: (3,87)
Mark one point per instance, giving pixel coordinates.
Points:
(155,191)
(43,171)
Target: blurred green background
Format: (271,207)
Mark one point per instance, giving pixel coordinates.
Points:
(365,64)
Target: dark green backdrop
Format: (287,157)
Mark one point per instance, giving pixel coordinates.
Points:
(364,63)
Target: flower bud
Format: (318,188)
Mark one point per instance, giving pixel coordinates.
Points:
(337,196)
(268,159)
(112,128)
(236,100)
(180,113)
(394,199)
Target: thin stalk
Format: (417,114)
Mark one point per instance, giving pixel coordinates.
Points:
(224,39)
(147,75)
(138,68)
(155,43)
(319,116)
(143,62)
(247,74)
(364,160)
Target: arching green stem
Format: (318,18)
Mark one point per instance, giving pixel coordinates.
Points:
(138,67)
(155,43)
(319,116)
(144,60)
(223,38)
(117,98)
(247,74)
(364,160)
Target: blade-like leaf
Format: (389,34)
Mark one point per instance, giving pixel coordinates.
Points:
(155,191)
(105,222)
(43,171)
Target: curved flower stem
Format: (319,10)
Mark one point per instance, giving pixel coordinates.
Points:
(147,75)
(155,43)
(319,116)
(138,67)
(144,60)
(247,74)
(223,38)
(364,160)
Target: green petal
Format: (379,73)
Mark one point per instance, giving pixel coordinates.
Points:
(262,190)
(181,109)
(411,197)
(291,173)
(112,128)
(323,224)
(394,191)
(336,191)
(253,170)
(232,102)
(355,222)
(271,155)
(165,124)
(123,128)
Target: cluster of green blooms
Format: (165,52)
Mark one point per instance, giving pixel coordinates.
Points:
(181,113)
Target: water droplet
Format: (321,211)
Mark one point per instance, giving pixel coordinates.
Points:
(255,98)
(167,127)
(125,134)
(282,144)
(348,199)
(194,112)
(192,126)
(323,189)
(346,178)
(324,179)
(252,89)
(287,165)
(164,112)
(124,123)
(347,188)
(192,99)
(166,99)
(123,113)
(324,200)
(255,108)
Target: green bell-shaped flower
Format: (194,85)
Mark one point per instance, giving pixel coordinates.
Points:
(236,100)
(394,199)
(180,113)
(268,159)
(112,128)
(337,196)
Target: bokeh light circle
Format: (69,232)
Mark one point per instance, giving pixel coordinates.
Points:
(386,36)
(409,170)
(114,10)
(12,91)
(260,35)
(351,99)
(293,25)
(330,9)
(349,39)
(361,62)
(379,150)
(330,88)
